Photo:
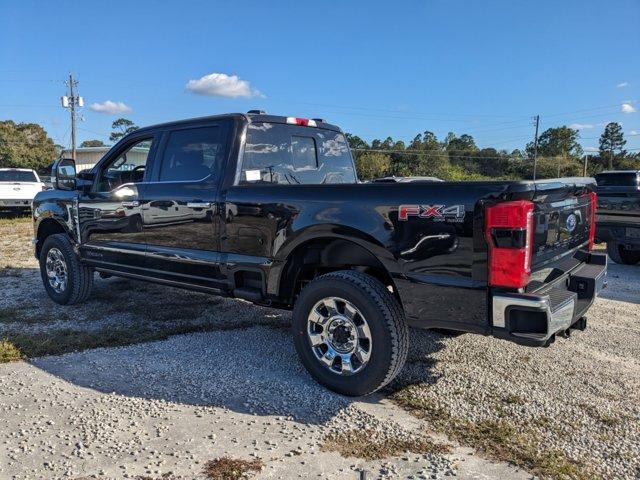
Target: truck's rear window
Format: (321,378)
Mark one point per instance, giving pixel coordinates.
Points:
(621,179)
(17,176)
(293,155)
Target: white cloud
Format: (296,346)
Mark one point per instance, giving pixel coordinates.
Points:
(627,108)
(634,132)
(622,85)
(222,85)
(110,107)
(580,126)
(591,149)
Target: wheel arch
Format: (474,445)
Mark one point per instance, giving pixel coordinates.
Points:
(318,252)
(47,227)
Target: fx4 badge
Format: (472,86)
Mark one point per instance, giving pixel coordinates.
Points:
(441,213)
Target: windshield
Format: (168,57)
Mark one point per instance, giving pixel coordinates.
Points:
(17,176)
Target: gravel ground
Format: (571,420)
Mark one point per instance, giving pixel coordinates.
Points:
(171,406)
(236,389)
(580,397)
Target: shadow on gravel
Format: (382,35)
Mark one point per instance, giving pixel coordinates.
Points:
(249,370)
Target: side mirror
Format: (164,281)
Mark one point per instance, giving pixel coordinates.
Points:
(64,173)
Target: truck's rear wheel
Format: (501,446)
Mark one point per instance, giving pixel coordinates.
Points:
(350,332)
(620,254)
(65,278)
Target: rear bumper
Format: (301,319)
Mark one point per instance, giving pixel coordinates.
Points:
(535,319)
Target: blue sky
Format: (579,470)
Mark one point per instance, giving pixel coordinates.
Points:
(374,68)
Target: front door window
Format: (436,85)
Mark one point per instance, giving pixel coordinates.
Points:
(128,167)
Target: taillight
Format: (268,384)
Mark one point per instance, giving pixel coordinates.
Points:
(592,218)
(304,122)
(509,234)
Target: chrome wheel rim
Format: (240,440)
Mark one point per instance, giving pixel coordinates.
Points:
(339,336)
(56,268)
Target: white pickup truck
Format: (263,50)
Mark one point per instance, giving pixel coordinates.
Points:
(18,186)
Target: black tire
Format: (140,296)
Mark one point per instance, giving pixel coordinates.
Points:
(79,277)
(621,255)
(384,316)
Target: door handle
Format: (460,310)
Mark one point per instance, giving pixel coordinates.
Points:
(199,204)
(134,203)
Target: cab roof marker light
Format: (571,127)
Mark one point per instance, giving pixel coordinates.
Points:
(305,122)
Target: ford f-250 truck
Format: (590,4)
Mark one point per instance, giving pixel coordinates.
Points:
(269,209)
(618,215)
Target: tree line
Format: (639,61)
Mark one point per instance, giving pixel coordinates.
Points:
(27,145)
(559,153)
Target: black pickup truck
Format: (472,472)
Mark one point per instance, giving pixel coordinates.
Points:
(269,209)
(618,215)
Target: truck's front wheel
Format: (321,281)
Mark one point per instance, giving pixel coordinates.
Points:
(350,332)
(65,278)
(620,254)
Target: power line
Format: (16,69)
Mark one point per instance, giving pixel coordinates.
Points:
(428,154)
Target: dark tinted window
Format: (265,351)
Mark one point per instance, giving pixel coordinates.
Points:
(621,179)
(17,176)
(192,154)
(291,154)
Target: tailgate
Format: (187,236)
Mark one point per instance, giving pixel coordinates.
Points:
(562,219)
(19,190)
(618,204)
(565,275)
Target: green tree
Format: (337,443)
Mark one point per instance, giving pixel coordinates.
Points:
(612,141)
(557,142)
(92,143)
(121,127)
(463,143)
(25,145)
(355,142)
(373,165)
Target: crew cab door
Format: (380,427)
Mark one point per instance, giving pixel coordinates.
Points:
(179,206)
(109,212)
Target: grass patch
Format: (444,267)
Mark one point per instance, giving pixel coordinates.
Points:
(29,315)
(608,420)
(498,439)
(70,340)
(12,220)
(11,314)
(225,468)
(9,352)
(9,271)
(373,445)
(512,399)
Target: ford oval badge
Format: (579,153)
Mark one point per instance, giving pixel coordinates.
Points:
(572,221)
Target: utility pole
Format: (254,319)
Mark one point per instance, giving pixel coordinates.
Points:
(586,163)
(72,101)
(536,119)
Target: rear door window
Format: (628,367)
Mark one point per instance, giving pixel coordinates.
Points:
(295,155)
